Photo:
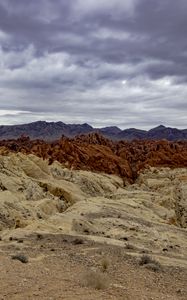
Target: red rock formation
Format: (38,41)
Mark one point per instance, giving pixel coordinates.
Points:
(95,153)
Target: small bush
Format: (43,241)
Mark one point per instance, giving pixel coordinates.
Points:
(21,257)
(39,236)
(104,264)
(17,223)
(150,263)
(96,280)
(155,267)
(129,246)
(77,241)
(20,240)
(145,259)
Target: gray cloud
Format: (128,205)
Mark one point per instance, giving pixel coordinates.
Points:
(103,62)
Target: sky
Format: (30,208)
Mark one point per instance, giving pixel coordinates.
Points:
(107,63)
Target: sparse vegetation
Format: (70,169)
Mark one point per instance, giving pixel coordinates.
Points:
(150,263)
(145,259)
(156,267)
(39,236)
(17,223)
(77,241)
(95,279)
(105,264)
(20,240)
(21,257)
(172,221)
(129,246)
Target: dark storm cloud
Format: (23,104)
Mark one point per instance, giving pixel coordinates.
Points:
(105,62)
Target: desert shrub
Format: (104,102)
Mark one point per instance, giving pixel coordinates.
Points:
(105,264)
(21,257)
(172,221)
(20,240)
(77,241)
(129,246)
(95,279)
(39,236)
(145,259)
(155,267)
(150,263)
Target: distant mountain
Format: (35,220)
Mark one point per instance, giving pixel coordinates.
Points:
(111,132)
(132,133)
(54,130)
(168,133)
(44,130)
(158,133)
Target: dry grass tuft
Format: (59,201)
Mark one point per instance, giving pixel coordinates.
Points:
(95,280)
(150,263)
(155,267)
(105,264)
(21,257)
(129,246)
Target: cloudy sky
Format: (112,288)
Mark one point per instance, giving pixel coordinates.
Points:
(117,62)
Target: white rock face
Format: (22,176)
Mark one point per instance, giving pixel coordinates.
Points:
(148,216)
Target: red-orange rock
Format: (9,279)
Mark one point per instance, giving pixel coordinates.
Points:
(93,152)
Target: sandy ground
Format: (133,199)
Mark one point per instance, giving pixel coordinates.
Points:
(59,268)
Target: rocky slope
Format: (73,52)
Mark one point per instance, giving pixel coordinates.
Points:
(149,216)
(51,131)
(93,235)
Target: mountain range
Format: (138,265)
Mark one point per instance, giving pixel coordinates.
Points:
(50,131)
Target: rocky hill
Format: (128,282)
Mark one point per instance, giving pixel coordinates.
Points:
(51,131)
(93,152)
(86,235)
(151,214)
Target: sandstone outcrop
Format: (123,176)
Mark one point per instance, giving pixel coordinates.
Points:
(147,216)
(93,152)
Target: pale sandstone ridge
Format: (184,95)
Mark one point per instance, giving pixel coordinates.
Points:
(147,216)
